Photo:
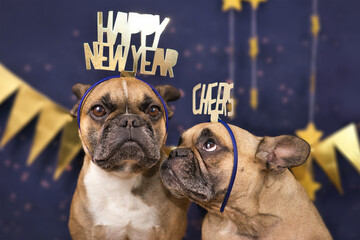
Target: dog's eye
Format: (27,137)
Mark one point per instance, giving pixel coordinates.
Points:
(209,145)
(99,111)
(153,111)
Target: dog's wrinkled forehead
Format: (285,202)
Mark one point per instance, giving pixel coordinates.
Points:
(120,92)
(205,130)
(246,142)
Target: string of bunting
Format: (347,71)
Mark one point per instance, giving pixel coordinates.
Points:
(345,140)
(52,119)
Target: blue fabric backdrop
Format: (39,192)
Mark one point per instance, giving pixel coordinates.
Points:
(41,41)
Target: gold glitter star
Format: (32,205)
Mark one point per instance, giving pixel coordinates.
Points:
(310,134)
(255,3)
(304,173)
(307,181)
(231,4)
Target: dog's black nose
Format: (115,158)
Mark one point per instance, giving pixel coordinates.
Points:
(180,152)
(131,120)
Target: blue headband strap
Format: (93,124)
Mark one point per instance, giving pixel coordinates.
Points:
(233,175)
(105,79)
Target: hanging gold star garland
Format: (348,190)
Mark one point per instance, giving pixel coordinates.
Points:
(230,6)
(323,152)
(304,173)
(52,118)
(253,53)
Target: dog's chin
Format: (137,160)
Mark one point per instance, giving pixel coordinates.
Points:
(127,166)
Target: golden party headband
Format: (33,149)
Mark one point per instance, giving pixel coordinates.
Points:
(221,104)
(113,48)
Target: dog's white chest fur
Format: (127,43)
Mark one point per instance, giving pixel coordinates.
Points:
(112,204)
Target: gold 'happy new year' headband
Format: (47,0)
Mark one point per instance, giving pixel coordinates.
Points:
(118,54)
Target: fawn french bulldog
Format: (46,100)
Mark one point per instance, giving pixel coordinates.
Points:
(119,194)
(266,201)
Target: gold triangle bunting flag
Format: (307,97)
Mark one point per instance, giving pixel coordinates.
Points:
(346,141)
(325,156)
(27,105)
(8,83)
(52,118)
(70,146)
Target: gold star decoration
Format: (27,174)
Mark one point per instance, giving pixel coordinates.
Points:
(231,5)
(315,25)
(255,3)
(310,134)
(304,173)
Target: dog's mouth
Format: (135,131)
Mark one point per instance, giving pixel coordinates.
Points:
(127,156)
(172,182)
(126,150)
(181,186)
(130,143)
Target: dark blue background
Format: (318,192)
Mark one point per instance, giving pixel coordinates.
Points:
(42,42)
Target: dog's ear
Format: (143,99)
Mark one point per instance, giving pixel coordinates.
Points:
(169,94)
(79,90)
(279,153)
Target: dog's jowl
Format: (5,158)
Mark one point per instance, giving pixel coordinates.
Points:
(119,193)
(266,201)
